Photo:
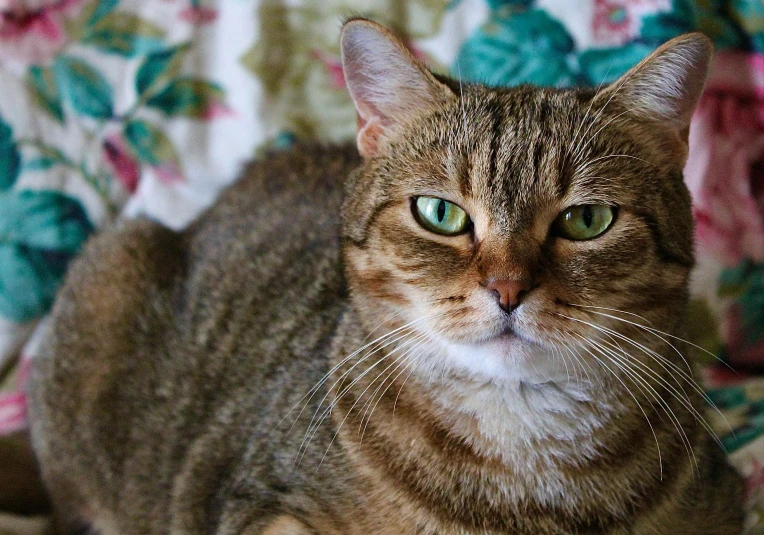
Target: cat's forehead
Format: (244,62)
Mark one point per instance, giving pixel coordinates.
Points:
(520,142)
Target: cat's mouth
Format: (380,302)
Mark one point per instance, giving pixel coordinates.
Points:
(504,354)
(508,336)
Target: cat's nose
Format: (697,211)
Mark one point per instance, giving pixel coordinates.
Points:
(509,291)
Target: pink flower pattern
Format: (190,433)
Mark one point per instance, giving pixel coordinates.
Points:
(13,405)
(123,164)
(34,36)
(726,171)
(199,14)
(616,22)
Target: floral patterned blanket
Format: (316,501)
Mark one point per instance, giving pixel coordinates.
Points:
(119,108)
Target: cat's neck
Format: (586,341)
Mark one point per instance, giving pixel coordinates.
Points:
(522,422)
(516,444)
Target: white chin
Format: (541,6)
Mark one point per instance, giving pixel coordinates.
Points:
(505,359)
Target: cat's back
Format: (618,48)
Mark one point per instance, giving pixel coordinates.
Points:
(162,342)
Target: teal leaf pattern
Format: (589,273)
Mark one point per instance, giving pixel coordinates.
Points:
(661,27)
(101,8)
(745,282)
(191,97)
(41,163)
(47,158)
(157,68)
(43,89)
(602,66)
(152,146)
(86,90)
(749,14)
(516,48)
(10,159)
(28,282)
(39,233)
(725,33)
(520,44)
(125,34)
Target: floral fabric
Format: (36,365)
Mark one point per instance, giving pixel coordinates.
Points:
(101,101)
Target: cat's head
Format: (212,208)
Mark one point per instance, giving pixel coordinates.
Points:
(510,227)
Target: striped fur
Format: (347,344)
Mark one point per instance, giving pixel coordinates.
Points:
(307,359)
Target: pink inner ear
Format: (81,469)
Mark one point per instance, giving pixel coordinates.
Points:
(371,125)
(369,133)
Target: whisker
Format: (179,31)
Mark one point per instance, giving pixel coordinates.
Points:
(578,359)
(639,405)
(654,330)
(684,401)
(403,367)
(612,310)
(615,156)
(464,111)
(594,136)
(313,428)
(648,390)
(395,403)
(682,398)
(622,82)
(394,333)
(564,361)
(687,378)
(588,110)
(309,395)
(349,412)
(397,362)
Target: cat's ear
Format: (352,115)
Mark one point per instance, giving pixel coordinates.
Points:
(665,87)
(388,85)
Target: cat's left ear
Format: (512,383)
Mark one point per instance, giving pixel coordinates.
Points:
(388,85)
(665,87)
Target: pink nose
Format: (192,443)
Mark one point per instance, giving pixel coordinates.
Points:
(509,291)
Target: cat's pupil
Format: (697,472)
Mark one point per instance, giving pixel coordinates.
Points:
(588,216)
(441,210)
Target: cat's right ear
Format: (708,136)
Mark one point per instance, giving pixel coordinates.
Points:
(388,85)
(665,87)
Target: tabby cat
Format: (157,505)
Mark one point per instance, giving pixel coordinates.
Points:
(465,326)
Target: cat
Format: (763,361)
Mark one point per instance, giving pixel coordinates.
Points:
(466,323)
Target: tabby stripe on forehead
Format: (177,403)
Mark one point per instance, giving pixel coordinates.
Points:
(495,112)
(665,255)
(465,174)
(563,174)
(538,155)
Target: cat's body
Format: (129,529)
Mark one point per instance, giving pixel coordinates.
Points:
(181,389)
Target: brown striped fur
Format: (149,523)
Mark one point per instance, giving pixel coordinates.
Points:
(181,387)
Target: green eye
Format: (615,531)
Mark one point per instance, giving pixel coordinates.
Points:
(585,222)
(441,217)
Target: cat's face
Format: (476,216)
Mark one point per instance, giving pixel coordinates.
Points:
(518,231)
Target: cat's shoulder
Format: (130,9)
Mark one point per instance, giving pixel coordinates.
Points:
(304,165)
